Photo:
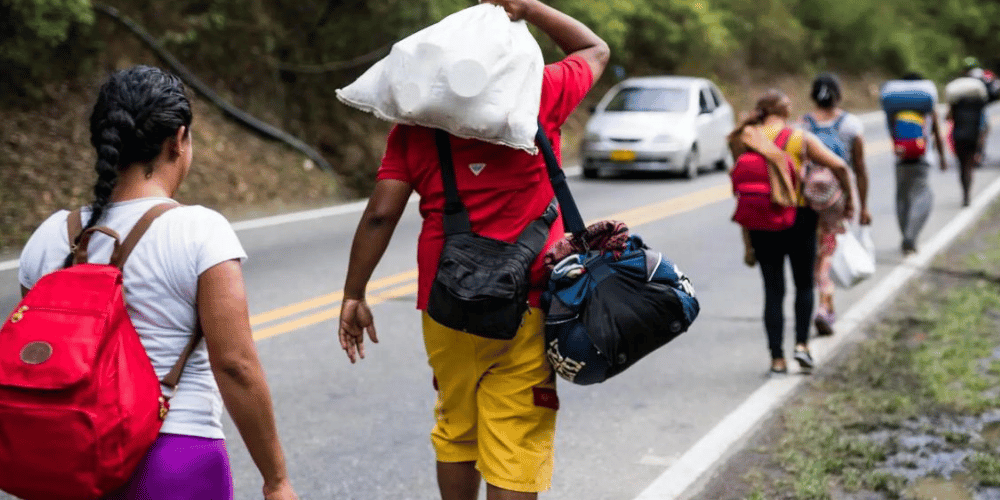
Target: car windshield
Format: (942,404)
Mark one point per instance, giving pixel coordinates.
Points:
(649,99)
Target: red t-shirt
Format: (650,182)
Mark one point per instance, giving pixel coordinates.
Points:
(512,189)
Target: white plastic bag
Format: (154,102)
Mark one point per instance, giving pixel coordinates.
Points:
(474,74)
(854,259)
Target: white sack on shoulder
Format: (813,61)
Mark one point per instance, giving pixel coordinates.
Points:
(474,74)
(966,88)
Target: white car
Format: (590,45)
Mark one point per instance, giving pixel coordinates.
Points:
(662,123)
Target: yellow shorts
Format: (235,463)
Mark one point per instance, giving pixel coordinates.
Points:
(496,403)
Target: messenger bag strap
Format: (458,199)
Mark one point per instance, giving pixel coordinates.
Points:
(571,214)
(537,233)
(456,217)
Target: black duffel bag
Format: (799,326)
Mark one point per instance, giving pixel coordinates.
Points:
(481,286)
(607,310)
(611,299)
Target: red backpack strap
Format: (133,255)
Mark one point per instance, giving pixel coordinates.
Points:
(783,137)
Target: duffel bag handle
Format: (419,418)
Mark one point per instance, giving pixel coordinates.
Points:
(571,214)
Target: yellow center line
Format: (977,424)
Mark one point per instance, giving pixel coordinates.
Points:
(327,299)
(661,210)
(333,313)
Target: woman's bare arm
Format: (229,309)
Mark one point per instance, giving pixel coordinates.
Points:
(222,310)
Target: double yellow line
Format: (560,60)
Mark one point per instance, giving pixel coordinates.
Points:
(327,307)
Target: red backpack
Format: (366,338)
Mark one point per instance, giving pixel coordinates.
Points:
(80,404)
(752,187)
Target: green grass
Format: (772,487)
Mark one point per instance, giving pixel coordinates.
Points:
(985,467)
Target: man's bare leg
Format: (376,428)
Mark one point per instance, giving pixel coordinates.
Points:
(458,480)
(497,493)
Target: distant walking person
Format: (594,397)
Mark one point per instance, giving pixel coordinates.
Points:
(909,104)
(496,403)
(186,270)
(967,98)
(842,133)
(769,248)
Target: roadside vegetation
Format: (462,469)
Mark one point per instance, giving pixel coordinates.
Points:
(912,411)
(282,60)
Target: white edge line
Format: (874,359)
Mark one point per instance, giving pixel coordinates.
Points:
(692,467)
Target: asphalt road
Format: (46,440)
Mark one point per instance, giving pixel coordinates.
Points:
(361,431)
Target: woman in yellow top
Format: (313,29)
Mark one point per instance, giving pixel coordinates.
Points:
(798,243)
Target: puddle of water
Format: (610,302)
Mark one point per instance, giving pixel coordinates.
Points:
(935,488)
(920,442)
(917,466)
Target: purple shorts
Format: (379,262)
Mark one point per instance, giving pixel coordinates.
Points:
(181,468)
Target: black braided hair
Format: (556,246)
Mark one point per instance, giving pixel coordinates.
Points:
(137,109)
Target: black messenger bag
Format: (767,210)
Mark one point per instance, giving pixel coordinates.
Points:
(481,286)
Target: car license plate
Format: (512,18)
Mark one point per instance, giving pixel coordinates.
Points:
(623,155)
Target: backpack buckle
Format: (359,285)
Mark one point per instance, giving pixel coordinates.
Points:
(18,315)
(164,407)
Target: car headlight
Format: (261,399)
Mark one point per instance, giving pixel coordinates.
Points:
(592,137)
(668,141)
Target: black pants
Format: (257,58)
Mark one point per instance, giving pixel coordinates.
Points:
(770,247)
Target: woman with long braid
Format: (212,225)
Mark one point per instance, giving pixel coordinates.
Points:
(185,270)
(798,243)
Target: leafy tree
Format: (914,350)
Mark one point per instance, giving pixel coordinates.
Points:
(40,40)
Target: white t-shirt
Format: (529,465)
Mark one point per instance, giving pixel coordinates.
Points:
(161,284)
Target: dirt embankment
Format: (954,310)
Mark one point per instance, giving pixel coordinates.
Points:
(46,163)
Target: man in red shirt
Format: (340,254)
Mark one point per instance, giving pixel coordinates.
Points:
(496,398)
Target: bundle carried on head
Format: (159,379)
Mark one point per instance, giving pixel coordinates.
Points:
(474,74)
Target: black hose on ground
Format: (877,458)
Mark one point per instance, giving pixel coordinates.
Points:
(193,82)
